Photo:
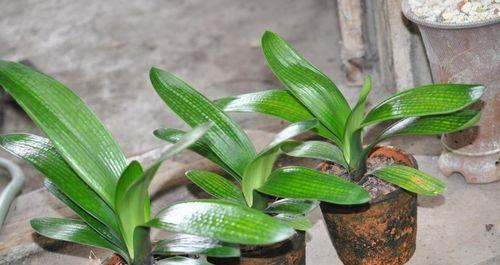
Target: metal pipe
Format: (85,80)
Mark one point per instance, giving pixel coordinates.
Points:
(12,189)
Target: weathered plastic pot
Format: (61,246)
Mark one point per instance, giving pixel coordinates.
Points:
(288,252)
(468,53)
(382,232)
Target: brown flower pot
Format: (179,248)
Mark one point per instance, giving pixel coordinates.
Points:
(382,232)
(288,252)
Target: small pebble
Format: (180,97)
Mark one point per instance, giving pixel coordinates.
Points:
(455,11)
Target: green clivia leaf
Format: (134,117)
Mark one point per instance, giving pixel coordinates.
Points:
(132,196)
(307,84)
(411,179)
(222,220)
(275,102)
(216,185)
(105,232)
(435,124)
(425,100)
(305,183)
(200,147)
(194,245)
(41,154)
(259,169)
(75,131)
(226,138)
(314,149)
(182,261)
(72,231)
(292,207)
(353,138)
(298,222)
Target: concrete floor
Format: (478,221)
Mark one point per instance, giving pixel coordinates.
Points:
(103,50)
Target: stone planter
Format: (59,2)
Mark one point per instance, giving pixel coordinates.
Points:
(468,53)
(382,232)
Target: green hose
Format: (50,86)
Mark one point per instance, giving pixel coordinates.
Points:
(12,189)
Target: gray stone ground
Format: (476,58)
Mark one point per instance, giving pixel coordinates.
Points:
(103,50)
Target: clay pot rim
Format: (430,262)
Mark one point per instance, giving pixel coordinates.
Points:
(454,26)
(398,190)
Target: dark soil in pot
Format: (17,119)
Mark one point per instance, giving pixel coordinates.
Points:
(288,252)
(382,232)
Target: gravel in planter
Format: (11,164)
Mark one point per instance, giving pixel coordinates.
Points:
(455,11)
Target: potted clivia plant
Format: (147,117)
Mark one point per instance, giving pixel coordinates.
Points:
(383,231)
(87,171)
(228,146)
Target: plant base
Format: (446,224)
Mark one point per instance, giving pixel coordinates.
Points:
(288,252)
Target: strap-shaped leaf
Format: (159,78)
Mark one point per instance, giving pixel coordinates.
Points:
(130,204)
(72,231)
(305,183)
(226,138)
(216,185)
(132,196)
(182,261)
(309,85)
(259,169)
(107,233)
(314,149)
(42,155)
(173,135)
(276,102)
(292,206)
(435,124)
(195,245)
(222,220)
(411,179)
(298,222)
(76,132)
(425,100)
(353,142)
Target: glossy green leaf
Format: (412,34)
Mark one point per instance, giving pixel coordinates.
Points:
(305,183)
(132,190)
(307,84)
(195,245)
(182,261)
(226,138)
(106,232)
(222,220)
(200,147)
(77,134)
(259,169)
(142,245)
(411,179)
(425,100)
(72,231)
(41,154)
(435,124)
(314,149)
(275,102)
(216,185)
(292,206)
(353,142)
(130,205)
(300,223)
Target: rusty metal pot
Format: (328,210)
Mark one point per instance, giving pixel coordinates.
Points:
(382,232)
(468,53)
(288,252)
